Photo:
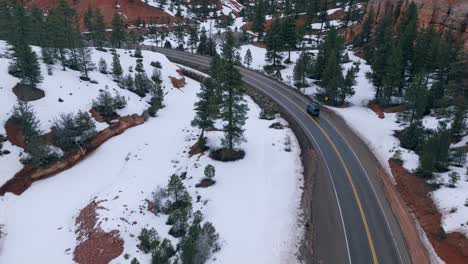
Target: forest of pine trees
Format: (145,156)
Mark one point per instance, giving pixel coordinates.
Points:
(424,72)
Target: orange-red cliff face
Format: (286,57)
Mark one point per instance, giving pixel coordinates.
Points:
(444,15)
(128,9)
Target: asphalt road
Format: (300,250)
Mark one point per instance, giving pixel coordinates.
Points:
(352,220)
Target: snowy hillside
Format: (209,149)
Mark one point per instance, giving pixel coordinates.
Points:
(122,176)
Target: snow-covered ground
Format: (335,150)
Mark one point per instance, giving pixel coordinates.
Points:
(254,205)
(76,95)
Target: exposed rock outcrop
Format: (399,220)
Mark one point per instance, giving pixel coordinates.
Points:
(444,15)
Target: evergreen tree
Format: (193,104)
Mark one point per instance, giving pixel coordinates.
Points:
(193,37)
(332,79)
(24,116)
(99,29)
(408,30)
(127,83)
(118,31)
(416,100)
(435,152)
(383,42)
(38,27)
(157,99)
(347,89)
(175,188)
(289,35)
(217,73)
(179,33)
(333,45)
(274,43)
(459,126)
(206,107)
(366,34)
(300,70)
(203,45)
(391,80)
(248,58)
(63,34)
(233,109)
(351,13)
(259,18)
(28,65)
(88,20)
(117,70)
(85,61)
(102,65)
(137,53)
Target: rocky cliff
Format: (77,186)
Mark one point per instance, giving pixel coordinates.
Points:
(444,15)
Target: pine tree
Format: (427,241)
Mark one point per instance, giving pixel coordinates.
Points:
(193,37)
(117,70)
(85,61)
(25,117)
(233,109)
(127,83)
(157,99)
(333,45)
(88,20)
(366,34)
(289,35)
(203,45)
(332,79)
(206,108)
(352,12)
(25,64)
(179,33)
(38,27)
(347,89)
(391,81)
(218,74)
(274,43)
(175,188)
(259,18)
(102,65)
(137,53)
(99,29)
(248,58)
(435,152)
(383,41)
(408,30)
(118,31)
(459,125)
(416,99)
(300,70)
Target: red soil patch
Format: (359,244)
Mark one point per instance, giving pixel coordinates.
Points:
(377,109)
(23,179)
(178,83)
(96,246)
(14,134)
(259,44)
(416,193)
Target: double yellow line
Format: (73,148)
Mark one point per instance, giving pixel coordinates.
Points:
(348,174)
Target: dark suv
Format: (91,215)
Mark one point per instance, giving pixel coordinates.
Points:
(313,109)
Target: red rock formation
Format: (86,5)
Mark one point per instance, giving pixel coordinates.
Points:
(444,15)
(129,9)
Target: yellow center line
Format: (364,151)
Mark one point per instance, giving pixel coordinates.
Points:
(350,179)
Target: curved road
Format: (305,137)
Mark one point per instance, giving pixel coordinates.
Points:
(352,220)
